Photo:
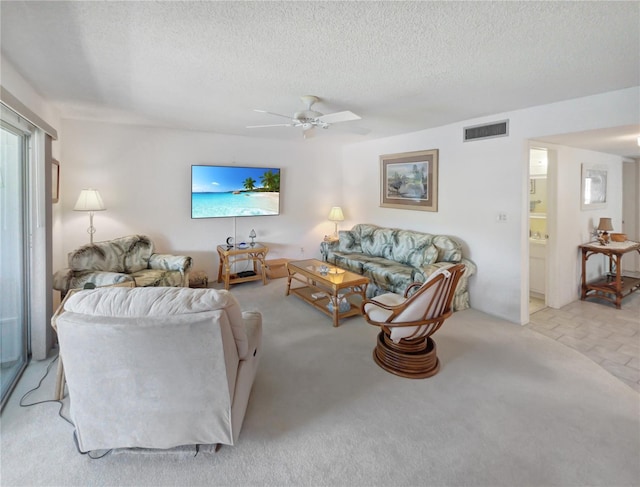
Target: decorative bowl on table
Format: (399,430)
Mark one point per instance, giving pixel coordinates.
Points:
(618,237)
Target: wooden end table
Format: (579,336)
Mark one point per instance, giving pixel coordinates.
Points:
(327,290)
(230,255)
(614,286)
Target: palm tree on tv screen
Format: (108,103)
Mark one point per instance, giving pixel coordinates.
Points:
(249,184)
(271,181)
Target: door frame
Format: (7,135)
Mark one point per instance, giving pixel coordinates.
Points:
(551,280)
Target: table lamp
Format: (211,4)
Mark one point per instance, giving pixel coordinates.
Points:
(335,215)
(605,227)
(252,236)
(89,200)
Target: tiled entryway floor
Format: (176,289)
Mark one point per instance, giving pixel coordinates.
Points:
(608,336)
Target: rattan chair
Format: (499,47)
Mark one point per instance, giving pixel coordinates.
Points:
(404,346)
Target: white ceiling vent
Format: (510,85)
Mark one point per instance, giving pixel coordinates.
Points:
(489,131)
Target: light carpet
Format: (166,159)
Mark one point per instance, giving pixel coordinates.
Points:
(508,407)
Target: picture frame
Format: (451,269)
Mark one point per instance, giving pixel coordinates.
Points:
(409,180)
(593,193)
(55,181)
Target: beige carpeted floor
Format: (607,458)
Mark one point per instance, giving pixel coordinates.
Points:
(509,407)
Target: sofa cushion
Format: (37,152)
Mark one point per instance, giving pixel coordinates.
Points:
(100,256)
(126,254)
(413,248)
(376,241)
(138,250)
(157,277)
(100,279)
(383,273)
(448,249)
(349,241)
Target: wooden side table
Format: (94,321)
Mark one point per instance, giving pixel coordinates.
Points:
(230,255)
(614,286)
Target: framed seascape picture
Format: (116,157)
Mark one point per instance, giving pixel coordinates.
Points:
(594,187)
(55,181)
(409,180)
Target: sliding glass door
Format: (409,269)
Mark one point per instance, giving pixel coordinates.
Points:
(14,255)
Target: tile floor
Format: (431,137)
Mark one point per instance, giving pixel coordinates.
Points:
(535,304)
(608,336)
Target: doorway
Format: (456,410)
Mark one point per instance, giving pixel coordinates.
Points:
(538,232)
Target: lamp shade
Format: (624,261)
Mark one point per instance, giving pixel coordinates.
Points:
(335,215)
(605,225)
(89,200)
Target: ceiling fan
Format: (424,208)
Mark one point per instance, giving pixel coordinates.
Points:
(309,119)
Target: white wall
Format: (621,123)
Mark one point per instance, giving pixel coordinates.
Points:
(13,81)
(478,180)
(144,177)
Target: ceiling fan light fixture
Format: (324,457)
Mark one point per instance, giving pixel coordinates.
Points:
(308,119)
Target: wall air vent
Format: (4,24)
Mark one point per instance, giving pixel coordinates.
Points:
(489,131)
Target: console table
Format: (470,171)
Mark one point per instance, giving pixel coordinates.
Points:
(614,286)
(230,255)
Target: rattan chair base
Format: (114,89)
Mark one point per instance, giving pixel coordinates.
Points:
(413,359)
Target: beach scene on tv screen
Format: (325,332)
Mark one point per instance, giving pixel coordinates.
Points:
(221,191)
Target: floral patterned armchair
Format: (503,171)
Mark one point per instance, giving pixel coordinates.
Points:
(121,260)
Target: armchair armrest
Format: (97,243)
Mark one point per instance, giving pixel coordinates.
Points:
(168,262)
(62,279)
(381,310)
(410,288)
(392,309)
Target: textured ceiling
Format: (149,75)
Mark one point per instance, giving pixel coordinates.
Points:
(401,66)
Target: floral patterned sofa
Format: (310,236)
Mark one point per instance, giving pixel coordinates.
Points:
(392,258)
(122,260)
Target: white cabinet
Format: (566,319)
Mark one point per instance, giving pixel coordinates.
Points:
(537,266)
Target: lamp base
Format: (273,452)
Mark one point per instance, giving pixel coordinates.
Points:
(91,230)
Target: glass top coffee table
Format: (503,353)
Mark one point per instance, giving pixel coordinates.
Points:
(334,291)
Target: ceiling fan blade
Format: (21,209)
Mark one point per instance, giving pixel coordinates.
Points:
(345,116)
(271,125)
(272,113)
(352,129)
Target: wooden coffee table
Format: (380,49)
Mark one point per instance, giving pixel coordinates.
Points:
(337,293)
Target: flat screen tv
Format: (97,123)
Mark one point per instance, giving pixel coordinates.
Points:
(225,191)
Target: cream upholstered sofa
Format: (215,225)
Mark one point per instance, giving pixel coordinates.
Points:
(157,367)
(393,259)
(130,258)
